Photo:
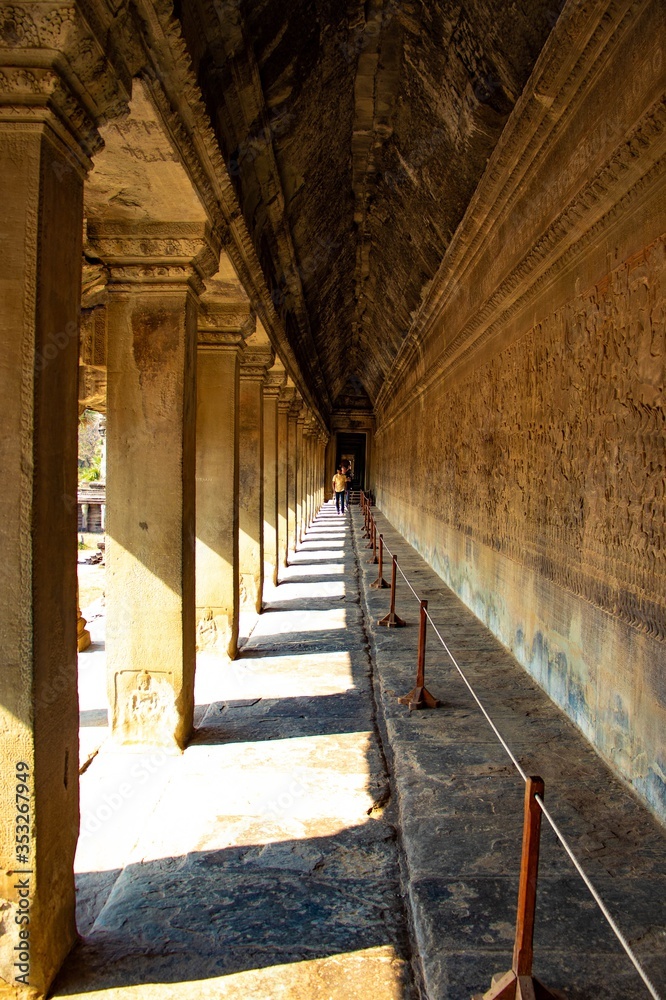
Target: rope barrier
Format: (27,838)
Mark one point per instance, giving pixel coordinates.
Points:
(598,900)
(558,833)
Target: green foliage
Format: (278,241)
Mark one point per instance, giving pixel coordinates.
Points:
(90,447)
(92,473)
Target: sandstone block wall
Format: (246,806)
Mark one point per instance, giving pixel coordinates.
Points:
(521,446)
(536,488)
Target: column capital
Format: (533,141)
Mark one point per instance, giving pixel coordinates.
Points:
(255,361)
(224,324)
(155,254)
(55,67)
(223,340)
(218,316)
(274,383)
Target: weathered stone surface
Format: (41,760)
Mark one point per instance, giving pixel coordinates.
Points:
(520,434)
(460,803)
(41,188)
(280,877)
(151,518)
(340,122)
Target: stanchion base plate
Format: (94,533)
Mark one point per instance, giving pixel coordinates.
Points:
(419,697)
(380,584)
(513,987)
(373,561)
(392,621)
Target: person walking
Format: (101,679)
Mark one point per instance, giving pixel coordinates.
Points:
(346,469)
(339,487)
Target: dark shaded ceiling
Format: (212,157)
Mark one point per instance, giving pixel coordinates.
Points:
(355,134)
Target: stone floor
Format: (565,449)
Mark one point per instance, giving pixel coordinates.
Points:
(261,863)
(460,802)
(264,862)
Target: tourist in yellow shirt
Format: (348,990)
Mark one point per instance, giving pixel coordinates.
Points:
(340,486)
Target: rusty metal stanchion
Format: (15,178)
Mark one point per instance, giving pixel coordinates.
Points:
(419,696)
(519,983)
(371,525)
(373,560)
(380,583)
(392,620)
(366,526)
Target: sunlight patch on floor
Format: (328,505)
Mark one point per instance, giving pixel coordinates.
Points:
(297,622)
(313,675)
(357,975)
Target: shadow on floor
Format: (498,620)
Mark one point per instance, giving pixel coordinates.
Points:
(210,914)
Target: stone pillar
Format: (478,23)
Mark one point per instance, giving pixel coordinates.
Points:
(322,469)
(317,471)
(282,480)
(300,475)
(292,472)
(46,134)
(151,408)
(217,464)
(251,479)
(275,381)
(308,476)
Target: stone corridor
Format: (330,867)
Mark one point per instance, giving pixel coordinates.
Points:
(318,841)
(260,863)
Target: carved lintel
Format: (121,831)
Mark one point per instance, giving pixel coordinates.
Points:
(155,277)
(125,244)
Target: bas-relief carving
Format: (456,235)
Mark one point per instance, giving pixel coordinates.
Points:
(145,700)
(554,452)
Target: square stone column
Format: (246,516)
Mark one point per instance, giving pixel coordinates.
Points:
(307,440)
(40,238)
(322,469)
(151,407)
(292,472)
(282,479)
(300,476)
(217,500)
(275,381)
(47,133)
(256,360)
(311,499)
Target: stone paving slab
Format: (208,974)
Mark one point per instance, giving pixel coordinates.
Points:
(263,862)
(459,801)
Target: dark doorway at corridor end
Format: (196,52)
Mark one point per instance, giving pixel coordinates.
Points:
(352,447)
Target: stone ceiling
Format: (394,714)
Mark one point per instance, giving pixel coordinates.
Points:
(355,134)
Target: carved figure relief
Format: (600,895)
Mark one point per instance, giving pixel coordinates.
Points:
(553,452)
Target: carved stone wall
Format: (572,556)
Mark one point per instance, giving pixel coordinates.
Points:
(521,434)
(552,454)
(575,408)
